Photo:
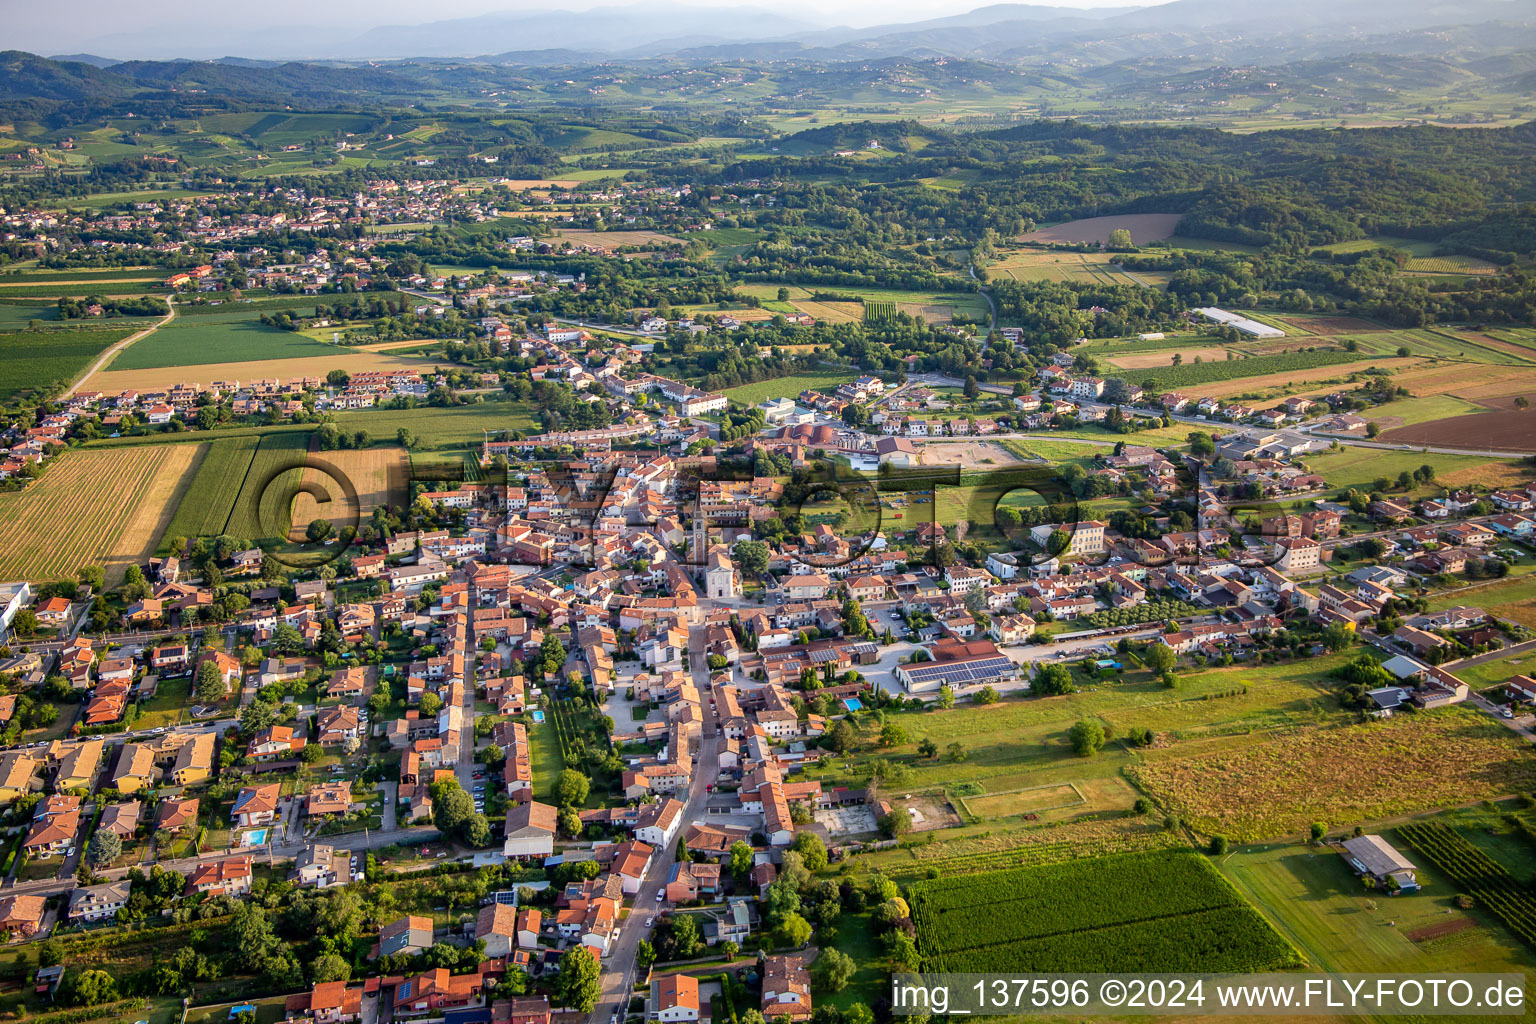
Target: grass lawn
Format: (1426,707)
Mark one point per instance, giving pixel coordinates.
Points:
(1492,673)
(1422,410)
(1359,467)
(856,938)
(1511,599)
(166,706)
(548,763)
(1316,902)
(268,1011)
(787,387)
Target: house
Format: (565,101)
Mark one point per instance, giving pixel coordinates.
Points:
(530,830)
(529,921)
(338,725)
(175,815)
(120,819)
(675,997)
(437,990)
(322,865)
(135,767)
(496,926)
(256,805)
(329,798)
(16,770)
(786,989)
(329,1002)
(22,915)
(1375,858)
(230,876)
(410,934)
(275,743)
(53,828)
(97,902)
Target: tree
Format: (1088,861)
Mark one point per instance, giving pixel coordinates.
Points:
(1053,679)
(955,752)
(257,715)
(946,697)
(927,747)
(1318,830)
(752,556)
(570,822)
(571,788)
(741,859)
(645,955)
(451,806)
(319,530)
(330,967)
(1218,845)
(1160,658)
(88,988)
(892,735)
(106,845)
(833,970)
(985,695)
(794,930)
(210,682)
(895,824)
(841,738)
(430,704)
(579,983)
(812,849)
(1087,737)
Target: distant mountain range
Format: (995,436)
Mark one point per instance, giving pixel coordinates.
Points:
(1232,29)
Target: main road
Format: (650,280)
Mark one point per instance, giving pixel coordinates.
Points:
(619,968)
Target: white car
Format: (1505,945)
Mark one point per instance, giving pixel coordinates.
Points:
(661,896)
(650,921)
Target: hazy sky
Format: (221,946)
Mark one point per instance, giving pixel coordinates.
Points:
(69,26)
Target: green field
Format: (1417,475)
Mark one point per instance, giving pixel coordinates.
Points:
(224,337)
(1359,467)
(37,363)
(204,510)
(787,387)
(260,494)
(445,427)
(1152,911)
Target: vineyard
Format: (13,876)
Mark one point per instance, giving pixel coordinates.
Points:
(1194,374)
(1476,874)
(879,310)
(1148,911)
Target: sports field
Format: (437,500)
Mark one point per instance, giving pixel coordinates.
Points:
(103,508)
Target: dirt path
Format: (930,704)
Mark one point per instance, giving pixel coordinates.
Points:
(111,353)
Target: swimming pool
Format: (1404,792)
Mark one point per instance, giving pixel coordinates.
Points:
(256,837)
(853,704)
(538,716)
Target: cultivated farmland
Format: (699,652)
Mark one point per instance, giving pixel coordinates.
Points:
(237,336)
(1144,228)
(787,387)
(1151,911)
(93,508)
(1363,772)
(204,509)
(261,510)
(42,362)
(1193,374)
(378,475)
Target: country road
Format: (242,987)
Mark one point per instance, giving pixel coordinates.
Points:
(111,353)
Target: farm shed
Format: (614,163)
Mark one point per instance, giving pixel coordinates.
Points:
(1374,856)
